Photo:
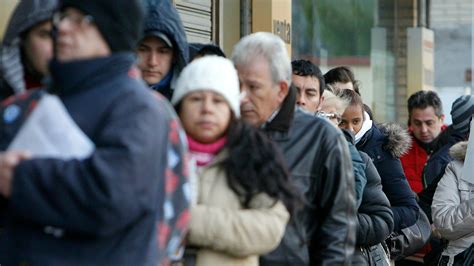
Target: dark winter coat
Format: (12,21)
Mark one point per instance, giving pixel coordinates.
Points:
(163,17)
(26,15)
(320,166)
(375,218)
(384,148)
(102,210)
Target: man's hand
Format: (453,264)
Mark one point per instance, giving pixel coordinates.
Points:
(8,161)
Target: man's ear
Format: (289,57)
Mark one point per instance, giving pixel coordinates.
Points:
(283,88)
(442,118)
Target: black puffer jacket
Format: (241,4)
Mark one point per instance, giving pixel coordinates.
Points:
(320,166)
(384,145)
(163,17)
(26,15)
(375,219)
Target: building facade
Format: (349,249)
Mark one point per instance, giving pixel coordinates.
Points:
(390,44)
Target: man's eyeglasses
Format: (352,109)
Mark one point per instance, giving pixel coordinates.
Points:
(330,116)
(76,20)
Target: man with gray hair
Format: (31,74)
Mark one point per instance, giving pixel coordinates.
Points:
(323,231)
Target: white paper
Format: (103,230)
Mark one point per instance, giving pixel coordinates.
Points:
(468,168)
(51,132)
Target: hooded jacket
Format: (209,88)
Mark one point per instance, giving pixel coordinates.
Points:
(102,210)
(323,232)
(26,15)
(162,17)
(385,144)
(453,205)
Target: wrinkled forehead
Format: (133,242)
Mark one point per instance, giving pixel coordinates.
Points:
(258,68)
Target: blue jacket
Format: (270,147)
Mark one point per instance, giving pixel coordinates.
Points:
(102,210)
(163,17)
(385,148)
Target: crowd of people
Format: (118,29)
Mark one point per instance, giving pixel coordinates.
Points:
(203,160)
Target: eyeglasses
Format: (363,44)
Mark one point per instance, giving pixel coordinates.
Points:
(76,20)
(330,116)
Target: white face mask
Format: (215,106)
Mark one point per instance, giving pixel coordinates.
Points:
(366,126)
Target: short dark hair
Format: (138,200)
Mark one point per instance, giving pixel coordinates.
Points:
(211,49)
(424,99)
(306,68)
(200,49)
(342,74)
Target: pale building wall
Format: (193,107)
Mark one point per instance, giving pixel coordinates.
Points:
(6,9)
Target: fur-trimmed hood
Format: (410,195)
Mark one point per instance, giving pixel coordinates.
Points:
(398,139)
(458,150)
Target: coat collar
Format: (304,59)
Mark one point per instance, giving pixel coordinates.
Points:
(283,119)
(75,76)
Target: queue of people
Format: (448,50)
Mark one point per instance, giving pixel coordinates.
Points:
(203,160)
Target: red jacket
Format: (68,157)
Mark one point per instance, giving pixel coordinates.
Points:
(413,163)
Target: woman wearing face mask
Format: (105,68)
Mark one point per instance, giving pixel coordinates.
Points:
(244,199)
(384,144)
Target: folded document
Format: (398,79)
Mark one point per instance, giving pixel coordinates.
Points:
(51,132)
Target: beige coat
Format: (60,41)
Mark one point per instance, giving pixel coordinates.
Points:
(226,233)
(453,205)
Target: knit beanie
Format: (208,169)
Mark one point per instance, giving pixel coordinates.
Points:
(212,73)
(461,113)
(119,21)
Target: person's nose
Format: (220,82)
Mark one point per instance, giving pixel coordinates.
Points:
(244,96)
(301,100)
(207,105)
(153,59)
(424,128)
(64,26)
(351,128)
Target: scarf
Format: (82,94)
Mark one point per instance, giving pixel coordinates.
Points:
(202,153)
(366,126)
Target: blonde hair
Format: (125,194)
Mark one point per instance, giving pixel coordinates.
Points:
(332,100)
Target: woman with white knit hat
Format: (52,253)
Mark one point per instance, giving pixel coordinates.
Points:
(244,198)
